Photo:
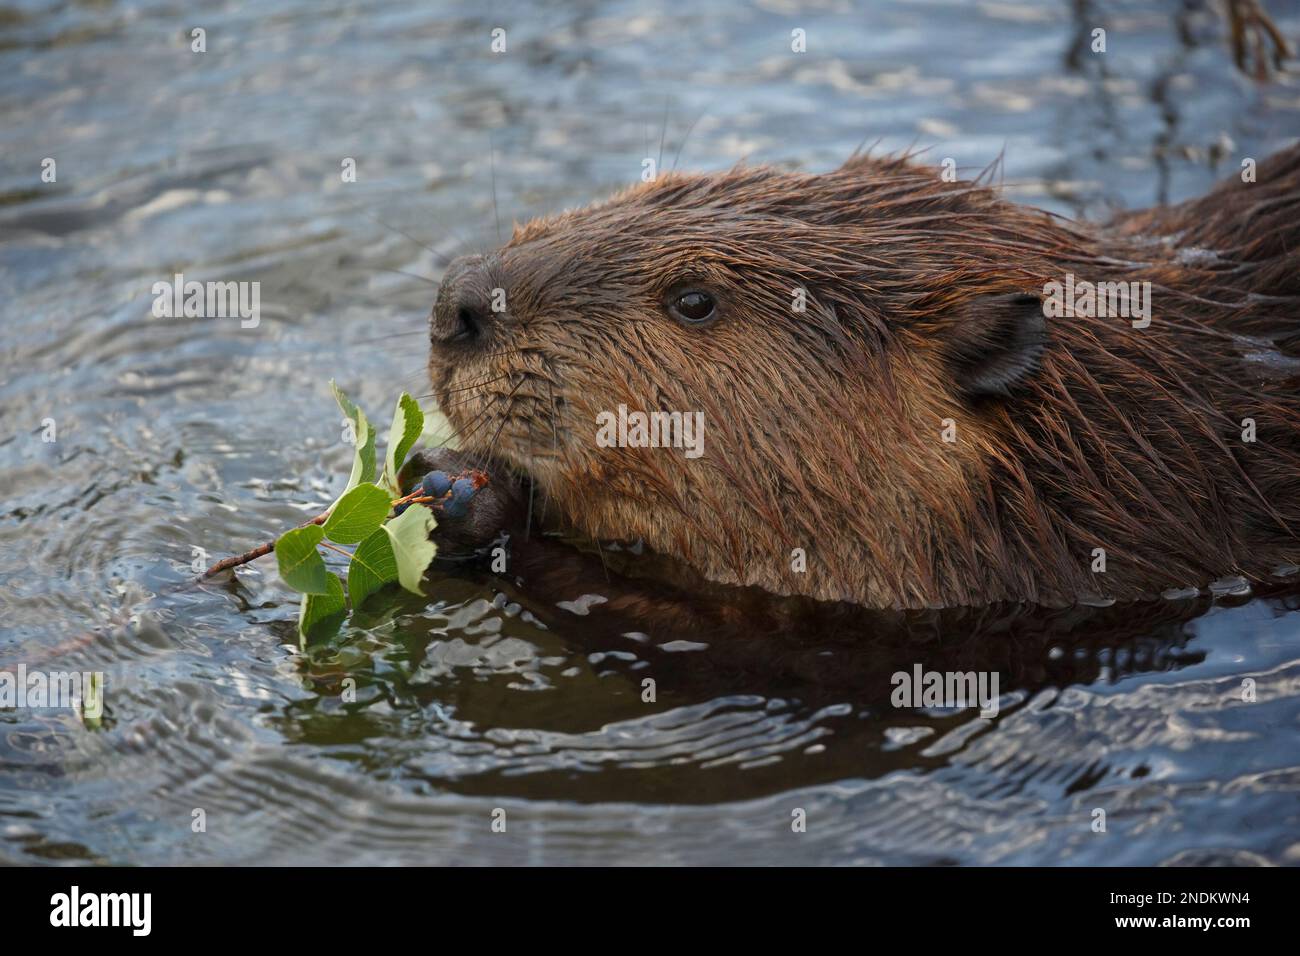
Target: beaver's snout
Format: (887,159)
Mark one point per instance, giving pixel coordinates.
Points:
(462,312)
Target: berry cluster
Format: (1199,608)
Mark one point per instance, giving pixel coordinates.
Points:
(450,493)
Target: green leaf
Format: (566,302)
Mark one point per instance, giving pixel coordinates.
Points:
(408,423)
(358,514)
(409,533)
(438,431)
(92,702)
(318,612)
(301,566)
(373,566)
(363,460)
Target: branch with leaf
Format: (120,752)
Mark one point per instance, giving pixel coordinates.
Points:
(390,531)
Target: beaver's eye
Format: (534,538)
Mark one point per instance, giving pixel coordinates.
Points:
(692,307)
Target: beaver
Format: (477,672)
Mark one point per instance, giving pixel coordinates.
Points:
(909,400)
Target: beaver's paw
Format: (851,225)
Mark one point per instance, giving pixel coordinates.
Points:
(471,512)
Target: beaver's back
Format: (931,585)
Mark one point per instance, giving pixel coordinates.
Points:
(1244,237)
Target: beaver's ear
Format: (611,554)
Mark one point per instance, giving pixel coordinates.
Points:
(996,343)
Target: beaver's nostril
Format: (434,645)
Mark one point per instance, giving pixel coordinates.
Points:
(470,323)
(462,314)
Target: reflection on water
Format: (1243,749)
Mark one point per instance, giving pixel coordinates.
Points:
(181,434)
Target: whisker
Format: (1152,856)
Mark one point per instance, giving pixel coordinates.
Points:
(389,335)
(505,417)
(441,257)
(481,416)
(482,419)
(663,132)
(685,136)
(492,162)
(485,382)
(461,403)
(555,440)
(414,275)
(473,424)
(532,487)
(601,553)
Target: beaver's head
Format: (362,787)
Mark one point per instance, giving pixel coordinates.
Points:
(856,345)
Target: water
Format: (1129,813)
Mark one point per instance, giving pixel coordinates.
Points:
(175,434)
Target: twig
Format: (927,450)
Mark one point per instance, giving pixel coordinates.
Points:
(416,497)
(261,551)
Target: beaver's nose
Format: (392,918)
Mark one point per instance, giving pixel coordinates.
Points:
(463,309)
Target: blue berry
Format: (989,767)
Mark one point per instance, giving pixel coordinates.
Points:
(435,484)
(457,506)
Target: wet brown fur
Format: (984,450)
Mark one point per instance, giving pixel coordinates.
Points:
(823,430)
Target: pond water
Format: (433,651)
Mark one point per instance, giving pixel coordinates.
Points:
(177,434)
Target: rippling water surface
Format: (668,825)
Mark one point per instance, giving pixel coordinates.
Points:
(175,434)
